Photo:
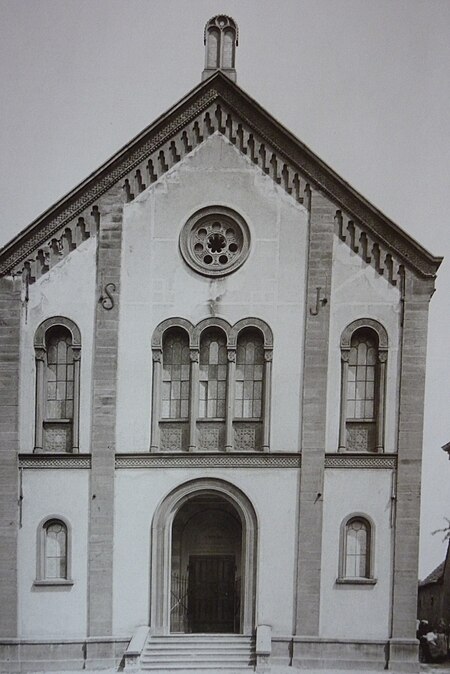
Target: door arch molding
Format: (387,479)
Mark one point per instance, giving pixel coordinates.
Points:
(161,551)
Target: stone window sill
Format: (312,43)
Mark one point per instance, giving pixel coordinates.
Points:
(356,581)
(54,581)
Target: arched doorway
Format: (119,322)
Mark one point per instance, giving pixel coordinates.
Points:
(206,566)
(204,538)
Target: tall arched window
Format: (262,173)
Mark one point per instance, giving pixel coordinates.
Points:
(248,397)
(53,553)
(57,350)
(213,375)
(363,353)
(356,554)
(175,375)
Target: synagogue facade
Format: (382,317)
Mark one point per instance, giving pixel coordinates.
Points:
(212,360)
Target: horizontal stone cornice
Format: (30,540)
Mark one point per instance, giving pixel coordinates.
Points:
(197,459)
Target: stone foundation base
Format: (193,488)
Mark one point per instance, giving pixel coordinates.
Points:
(404,655)
(399,655)
(31,655)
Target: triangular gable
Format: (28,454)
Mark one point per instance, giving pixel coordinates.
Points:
(217,105)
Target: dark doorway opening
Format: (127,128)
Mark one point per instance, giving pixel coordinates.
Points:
(206,567)
(212,593)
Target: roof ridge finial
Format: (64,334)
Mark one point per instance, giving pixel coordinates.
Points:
(220,39)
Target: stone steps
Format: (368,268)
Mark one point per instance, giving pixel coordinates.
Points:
(197,651)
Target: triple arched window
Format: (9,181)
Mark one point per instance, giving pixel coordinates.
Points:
(57,346)
(53,551)
(211,385)
(364,347)
(357,547)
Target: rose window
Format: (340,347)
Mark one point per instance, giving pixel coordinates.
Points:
(215,241)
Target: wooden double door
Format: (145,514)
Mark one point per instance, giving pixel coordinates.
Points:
(213,601)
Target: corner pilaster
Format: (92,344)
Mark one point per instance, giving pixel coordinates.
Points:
(10,312)
(104,398)
(410,436)
(315,372)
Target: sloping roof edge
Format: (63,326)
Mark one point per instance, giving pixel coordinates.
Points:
(316,170)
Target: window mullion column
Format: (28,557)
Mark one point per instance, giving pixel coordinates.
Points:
(40,400)
(76,399)
(156,399)
(382,358)
(231,376)
(268,353)
(193,398)
(345,353)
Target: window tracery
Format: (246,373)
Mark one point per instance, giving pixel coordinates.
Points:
(211,385)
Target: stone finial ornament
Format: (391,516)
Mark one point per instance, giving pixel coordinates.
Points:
(220,39)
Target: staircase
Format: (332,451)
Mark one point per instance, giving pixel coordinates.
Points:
(197,651)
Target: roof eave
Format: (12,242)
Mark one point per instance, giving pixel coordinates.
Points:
(432,262)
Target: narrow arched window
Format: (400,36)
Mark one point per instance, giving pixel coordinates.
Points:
(213,375)
(59,375)
(175,375)
(356,553)
(55,550)
(249,375)
(361,381)
(57,349)
(362,388)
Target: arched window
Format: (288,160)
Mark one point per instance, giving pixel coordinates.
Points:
(248,397)
(213,375)
(211,385)
(57,350)
(356,549)
(175,375)
(363,353)
(53,554)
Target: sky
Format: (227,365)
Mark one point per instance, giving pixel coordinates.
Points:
(365,84)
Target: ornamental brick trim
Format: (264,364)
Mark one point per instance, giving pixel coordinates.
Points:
(359,462)
(218,106)
(96,188)
(54,461)
(208,461)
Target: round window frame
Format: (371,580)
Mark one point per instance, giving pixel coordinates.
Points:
(194,223)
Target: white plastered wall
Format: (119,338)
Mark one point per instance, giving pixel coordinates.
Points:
(358,291)
(157,284)
(53,611)
(356,611)
(68,289)
(137,495)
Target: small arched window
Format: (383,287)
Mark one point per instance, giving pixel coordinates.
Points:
(53,555)
(363,353)
(175,375)
(57,350)
(213,375)
(355,562)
